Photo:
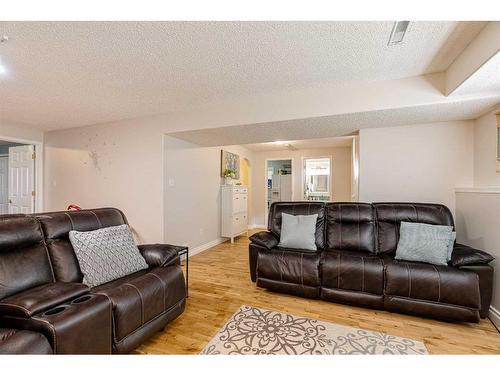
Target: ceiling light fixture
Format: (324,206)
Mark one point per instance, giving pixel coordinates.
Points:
(398,32)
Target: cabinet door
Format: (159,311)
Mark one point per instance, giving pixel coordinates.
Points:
(240,202)
(240,223)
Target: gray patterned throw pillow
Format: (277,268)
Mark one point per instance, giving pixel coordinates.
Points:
(425,243)
(106,254)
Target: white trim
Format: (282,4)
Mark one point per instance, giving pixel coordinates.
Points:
(206,246)
(256,226)
(479,190)
(494,316)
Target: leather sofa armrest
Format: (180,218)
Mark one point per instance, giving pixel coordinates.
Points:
(160,255)
(264,239)
(463,255)
(44,297)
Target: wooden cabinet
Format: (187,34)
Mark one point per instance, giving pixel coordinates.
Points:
(234,211)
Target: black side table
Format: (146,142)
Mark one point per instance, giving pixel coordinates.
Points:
(185,251)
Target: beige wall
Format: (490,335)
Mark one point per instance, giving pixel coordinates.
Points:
(192,191)
(341,171)
(419,163)
(10,130)
(115,165)
(485,150)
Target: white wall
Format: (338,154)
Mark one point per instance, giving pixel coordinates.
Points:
(419,163)
(477,218)
(478,223)
(10,131)
(115,165)
(341,171)
(192,191)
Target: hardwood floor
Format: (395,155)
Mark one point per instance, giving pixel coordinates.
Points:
(220,283)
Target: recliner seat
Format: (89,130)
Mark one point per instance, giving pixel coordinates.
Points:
(355,262)
(41,287)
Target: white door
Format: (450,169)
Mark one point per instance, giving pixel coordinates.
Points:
(22,179)
(4,188)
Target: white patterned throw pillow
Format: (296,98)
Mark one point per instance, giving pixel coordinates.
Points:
(106,254)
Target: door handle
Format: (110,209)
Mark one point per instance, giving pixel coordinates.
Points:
(10,201)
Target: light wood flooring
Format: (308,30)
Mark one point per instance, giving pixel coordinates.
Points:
(220,283)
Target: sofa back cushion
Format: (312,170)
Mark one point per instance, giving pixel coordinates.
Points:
(298,208)
(390,215)
(350,226)
(56,227)
(24,262)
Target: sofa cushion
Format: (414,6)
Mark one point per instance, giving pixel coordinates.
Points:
(41,298)
(296,267)
(350,226)
(390,215)
(106,254)
(438,284)
(14,341)
(142,296)
(298,208)
(352,270)
(24,262)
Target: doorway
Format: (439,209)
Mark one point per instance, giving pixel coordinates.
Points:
(279,183)
(17,178)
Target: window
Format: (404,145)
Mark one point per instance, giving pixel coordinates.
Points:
(317,180)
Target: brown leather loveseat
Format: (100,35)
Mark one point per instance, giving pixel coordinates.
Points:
(42,296)
(355,262)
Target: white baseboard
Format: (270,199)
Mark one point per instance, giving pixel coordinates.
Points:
(206,246)
(494,316)
(257,226)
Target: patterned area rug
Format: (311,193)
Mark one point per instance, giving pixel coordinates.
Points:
(257,331)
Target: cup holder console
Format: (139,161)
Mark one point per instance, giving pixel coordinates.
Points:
(55,311)
(81,299)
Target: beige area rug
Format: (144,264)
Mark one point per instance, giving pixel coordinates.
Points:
(257,331)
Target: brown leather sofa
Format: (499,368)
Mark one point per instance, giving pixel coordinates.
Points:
(42,296)
(355,262)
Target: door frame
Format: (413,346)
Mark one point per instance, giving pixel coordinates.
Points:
(266,213)
(39,171)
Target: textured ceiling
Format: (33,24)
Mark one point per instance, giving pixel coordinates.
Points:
(69,74)
(338,125)
(302,144)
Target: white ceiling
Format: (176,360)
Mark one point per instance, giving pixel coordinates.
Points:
(484,80)
(338,125)
(69,74)
(302,144)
